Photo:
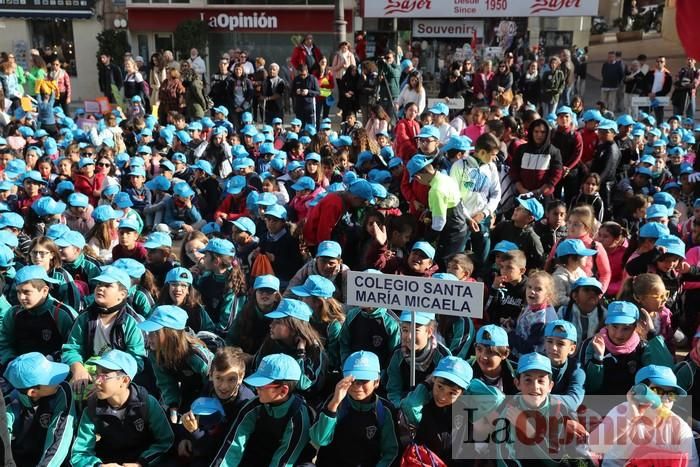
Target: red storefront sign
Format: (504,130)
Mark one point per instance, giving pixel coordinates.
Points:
(236,19)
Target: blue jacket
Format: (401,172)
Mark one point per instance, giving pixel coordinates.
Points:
(176,217)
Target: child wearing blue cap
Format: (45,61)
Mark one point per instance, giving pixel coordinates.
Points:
(570,257)
(251,327)
(243,236)
(103,236)
(429,351)
(280,246)
(585,309)
(180,212)
(507,293)
(356,426)
(612,357)
(40,412)
(129,246)
(129,423)
(179,291)
(328,263)
(519,231)
(233,205)
(526,334)
(207,187)
(159,255)
(143,288)
(180,361)
(552,228)
(87,181)
(45,253)
(222,284)
(490,363)
(83,268)
(273,428)
(138,193)
(78,215)
(560,339)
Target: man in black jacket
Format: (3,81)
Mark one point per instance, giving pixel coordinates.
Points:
(108,75)
(606,160)
(304,92)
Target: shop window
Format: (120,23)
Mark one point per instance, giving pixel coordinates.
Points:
(270,2)
(142,46)
(55,37)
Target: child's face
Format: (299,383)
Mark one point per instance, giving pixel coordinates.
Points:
(239,236)
(272,393)
(88,170)
(4,195)
(536,291)
(65,167)
(444,394)
(556,217)
(606,239)
(273,224)
(488,360)
(511,272)
(155,255)
(344,161)
(192,250)
(487,157)
(128,237)
(654,300)
(587,298)
(667,262)
(44,169)
(279,331)
(265,297)
(382,141)
(136,181)
(29,296)
(69,253)
(226,383)
(178,292)
(109,383)
(372,221)
(423,335)
(590,186)
(453,267)
(521,217)
(575,227)
(31,188)
(418,261)
(155,339)
(620,333)
(108,295)
(535,386)
(558,349)
(312,167)
(361,390)
(401,239)
(326,266)
(267,186)
(41,256)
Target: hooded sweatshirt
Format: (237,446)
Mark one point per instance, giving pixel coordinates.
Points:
(537,165)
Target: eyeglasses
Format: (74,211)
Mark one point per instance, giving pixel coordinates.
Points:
(425,140)
(657,297)
(88,154)
(104,164)
(670,394)
(105,377)
(39,254)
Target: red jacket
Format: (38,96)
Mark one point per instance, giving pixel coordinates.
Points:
(405,139)
(414,191)
(299,55)
(377,258)
(323,218)
(590,142)
(87,187)
(233,208)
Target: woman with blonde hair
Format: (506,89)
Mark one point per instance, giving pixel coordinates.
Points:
(156,76)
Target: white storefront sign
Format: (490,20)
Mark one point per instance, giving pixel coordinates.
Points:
(401,293)
(447,28)
(242,20)
(478,8)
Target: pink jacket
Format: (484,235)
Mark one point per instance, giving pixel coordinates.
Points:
(602,262)
(617,268)
(300,204)
(692,257)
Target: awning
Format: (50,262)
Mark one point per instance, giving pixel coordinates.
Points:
(47,9)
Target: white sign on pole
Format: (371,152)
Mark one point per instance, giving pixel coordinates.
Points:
(445,297)
(478,8)
(447,28)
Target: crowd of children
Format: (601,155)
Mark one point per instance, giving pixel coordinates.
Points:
(175,294)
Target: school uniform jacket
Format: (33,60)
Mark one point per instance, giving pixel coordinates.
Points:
(377,332)
(179,388)
(568,384)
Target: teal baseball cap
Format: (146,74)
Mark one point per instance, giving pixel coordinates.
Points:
(34,369)
(672,244)
(219,246)
(245,224)
(561,328)
(114,275)
(329,249)
(11,219)
(133,268)
(534,361)
(266,199)
(653,230)
(165,316)
(78,200)
(106,213)
(659,375)
(573,246)
(46,206)
(291,308)
(504,246)
(183,190)
(455,370)
(418,163)
(7,257)
(9,239)
(118,360)
(71,238)
(274,367)
(158,240)
(533,206)
(159,183)
(276,211)
(422,317)
(130,223)
(181,275)
(362,365)
(587,282)
(620,312)
(267,281)
(362,189)
(30,273)
(205,406)
(426,248)
(492,335)
(315,286)
(656,211)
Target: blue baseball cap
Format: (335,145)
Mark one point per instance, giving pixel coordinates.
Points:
(492,335)
(342,141)
(34,176)
(11,219)
(655,211)
(659,375)
(362,365)
(587,282)
(7,256)
(305,140)
(425,247)
(118,360)
(71,238)
(7,185)
(625,120)
(533,206)
(362,189)
(295,122)
(246,118)
(122,200)
(34,369)
(245,224)
(440,108)
(114,275)
(183,136)
(459,143)
(167,166)
(574,246)
(47,206)
(386,153)
(289,307)
(160,183)
(455,370)
(267,281)
(132,267)
(219,246)
(620,312)
(429,131)
(15,168)
(9,239)
(205,406)
(143,149)
(364,156)
(274,367)
(242,163)
(422,317)
(648,159)
(32,272)
(329,249)
(315,286)
(418,163)
(653,230)
(179,157)
(266,199)
(220,110)
(304,183)
(236,185)
(313,156)
(130,223)
(592,114)
(165,316)
(158,240)
(182,275)
(85,161)
(204,166)
(561,328)
(395,162)
(56,231)
(504,246)
(276,211)
(137,171)
(106,213)
(665,199)
(78,200)
(183,190)
(534,361)
(608,125)
(672,244)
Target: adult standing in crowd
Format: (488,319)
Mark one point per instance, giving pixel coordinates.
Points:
(389,74)
(156,76)
(274,92)
(197,63)
(553,84)
(342,60)
(304,92)
(63,83)
(349,91)
(612,75)
(685,86)
(659,83)
(306,53)
(171,95)
(221,88)
(108,75)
